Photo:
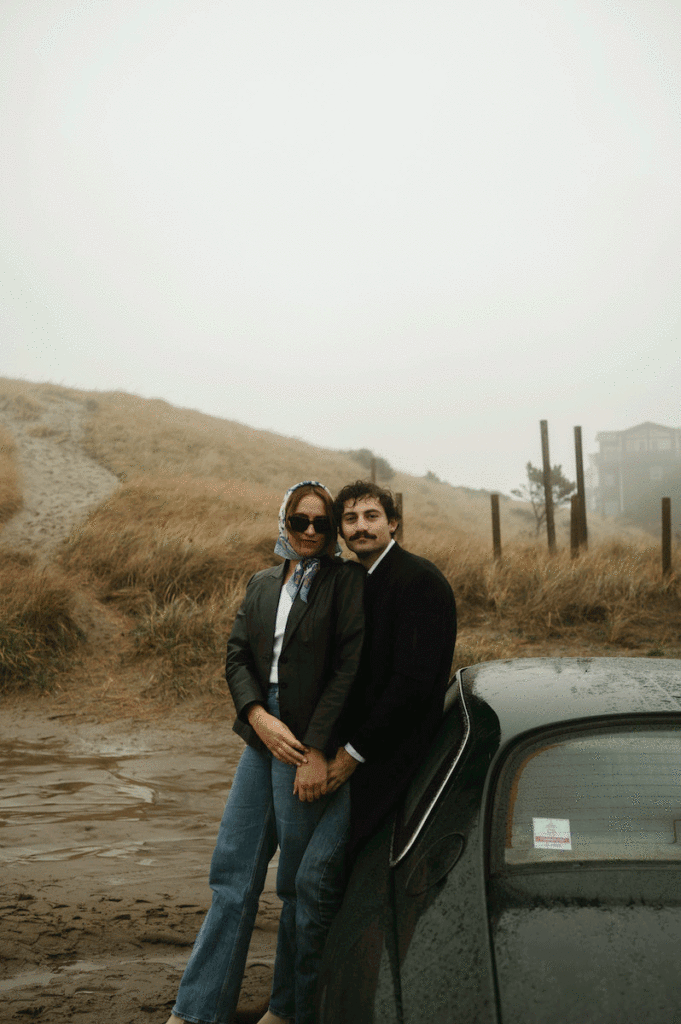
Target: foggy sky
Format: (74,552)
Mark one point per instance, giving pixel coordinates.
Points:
(418,227)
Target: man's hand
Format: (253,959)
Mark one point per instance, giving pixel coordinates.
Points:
(276,736)
(310,781)
(340,770)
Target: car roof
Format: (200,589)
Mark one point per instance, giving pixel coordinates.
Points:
(528,693)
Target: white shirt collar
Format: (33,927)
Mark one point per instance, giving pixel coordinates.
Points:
(380,558)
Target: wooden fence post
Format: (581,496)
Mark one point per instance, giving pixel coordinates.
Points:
(575,525)
(666,536)
(399,532)
(496,526)
(548,491)
(581,494)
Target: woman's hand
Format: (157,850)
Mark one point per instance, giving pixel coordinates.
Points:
(310,781)
(277,737)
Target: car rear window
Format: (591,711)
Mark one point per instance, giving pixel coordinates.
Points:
(607,794)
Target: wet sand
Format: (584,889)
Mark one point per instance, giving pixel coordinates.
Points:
(106,833)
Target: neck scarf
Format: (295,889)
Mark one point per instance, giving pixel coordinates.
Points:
(307,568)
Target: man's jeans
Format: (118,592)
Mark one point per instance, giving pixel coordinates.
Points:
(261,814)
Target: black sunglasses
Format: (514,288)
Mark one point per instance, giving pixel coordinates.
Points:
(299,523)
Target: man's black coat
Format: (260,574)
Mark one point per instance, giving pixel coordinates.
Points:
(395,706)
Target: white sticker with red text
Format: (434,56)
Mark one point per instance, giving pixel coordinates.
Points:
(552,833)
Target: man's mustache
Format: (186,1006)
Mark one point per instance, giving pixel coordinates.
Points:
(363,535)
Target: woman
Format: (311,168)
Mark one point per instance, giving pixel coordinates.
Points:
(291,659)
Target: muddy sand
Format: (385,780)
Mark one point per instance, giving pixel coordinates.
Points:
(106,833)
(106,828)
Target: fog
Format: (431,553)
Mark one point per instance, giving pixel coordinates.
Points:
(414,227)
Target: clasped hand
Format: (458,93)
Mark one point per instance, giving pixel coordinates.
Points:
(320,776)
(315,776)
(310,781)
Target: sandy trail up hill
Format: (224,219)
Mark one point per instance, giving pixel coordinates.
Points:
(60,482)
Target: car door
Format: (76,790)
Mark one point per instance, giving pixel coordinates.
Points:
(438,887)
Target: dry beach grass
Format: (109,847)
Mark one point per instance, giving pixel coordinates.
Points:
(10,488)
(152,576)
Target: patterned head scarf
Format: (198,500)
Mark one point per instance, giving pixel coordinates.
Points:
(307,568)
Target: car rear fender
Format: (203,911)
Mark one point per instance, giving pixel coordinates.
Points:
(444,953)
(359,978)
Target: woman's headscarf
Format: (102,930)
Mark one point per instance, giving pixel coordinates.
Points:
(307,568)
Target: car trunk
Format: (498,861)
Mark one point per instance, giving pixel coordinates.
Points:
(588,945)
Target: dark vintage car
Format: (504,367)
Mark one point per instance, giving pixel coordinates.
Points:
(533,871)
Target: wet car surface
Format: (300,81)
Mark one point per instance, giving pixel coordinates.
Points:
(533,871)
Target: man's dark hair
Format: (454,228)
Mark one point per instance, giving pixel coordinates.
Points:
(366,489)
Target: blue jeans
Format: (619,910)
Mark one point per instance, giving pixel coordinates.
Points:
(261,814)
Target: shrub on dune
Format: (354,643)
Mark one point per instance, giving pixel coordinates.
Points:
(38,630)
(10,489)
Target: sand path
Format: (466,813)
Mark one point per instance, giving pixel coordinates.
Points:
(60,482)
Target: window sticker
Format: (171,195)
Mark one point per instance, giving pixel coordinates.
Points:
(552,833)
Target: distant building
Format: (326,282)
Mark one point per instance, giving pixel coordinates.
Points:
(634,469)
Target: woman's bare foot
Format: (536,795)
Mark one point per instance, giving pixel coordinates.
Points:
(174,1020)
(271,1018)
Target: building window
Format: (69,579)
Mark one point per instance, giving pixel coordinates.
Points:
(637,444)
(663,444)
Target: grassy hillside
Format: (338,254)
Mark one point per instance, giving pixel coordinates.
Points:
(137,438)
(143,593)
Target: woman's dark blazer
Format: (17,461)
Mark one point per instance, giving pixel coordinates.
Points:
(319,656)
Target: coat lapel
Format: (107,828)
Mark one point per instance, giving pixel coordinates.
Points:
(269,603)
(300,607)
(386,566)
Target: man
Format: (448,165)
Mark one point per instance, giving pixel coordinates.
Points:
(396,703)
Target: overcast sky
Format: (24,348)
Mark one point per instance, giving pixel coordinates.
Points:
(417,226)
